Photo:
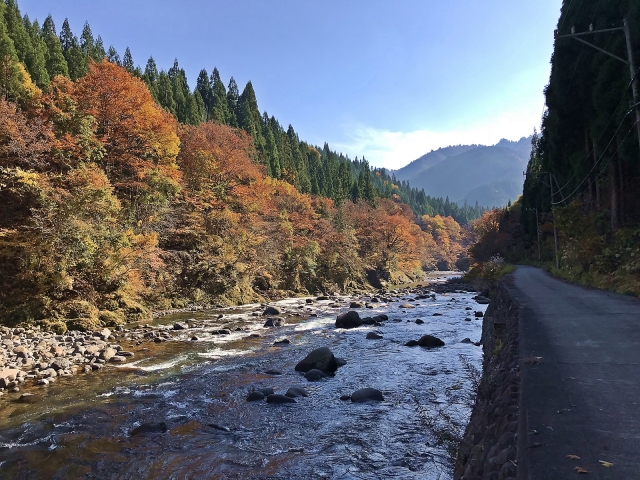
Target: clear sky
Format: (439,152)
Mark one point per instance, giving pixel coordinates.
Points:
(387,79)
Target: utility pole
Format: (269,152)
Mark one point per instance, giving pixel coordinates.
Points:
(555,231)
(629,61)
(634,77)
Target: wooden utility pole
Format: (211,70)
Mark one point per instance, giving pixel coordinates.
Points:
(555,231)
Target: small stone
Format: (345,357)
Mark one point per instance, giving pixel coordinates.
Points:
(285,341)
(419,321)
(253,396)
(314,375)
(344,398)
(294,392)
(145,428)
(374,336)
(279,399)
(367,395)
(479,314)
(273,372)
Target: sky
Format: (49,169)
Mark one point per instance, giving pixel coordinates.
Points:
(389,80)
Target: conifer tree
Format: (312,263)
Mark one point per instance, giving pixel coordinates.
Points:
(199,109)
(127,61)
(112,56)
(203,86)
(87,42)
(150,77)
(233,97)
(76,61)
(36,57)
(9,73)
(165,93)
(17,31)
(55,61)
(220,106)
(98,50)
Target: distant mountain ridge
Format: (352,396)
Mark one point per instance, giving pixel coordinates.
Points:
(489,175)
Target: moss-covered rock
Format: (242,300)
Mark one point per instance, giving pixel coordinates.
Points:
(111,319)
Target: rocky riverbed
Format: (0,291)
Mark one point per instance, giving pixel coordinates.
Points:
(188,375)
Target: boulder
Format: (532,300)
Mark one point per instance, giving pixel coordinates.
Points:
(179,326)
(152,427)
(279,399)
(118,359)
(60,364)
(419,321)
(273,322)
(285,341)
(351,319)
(320,359)
(368,321)
(367,395)
(309,301)
(271,311)
(108,353)
(294,392)
(374,336)
(429,341)
(314,375)
(355,305)
(407,305)
(253,396)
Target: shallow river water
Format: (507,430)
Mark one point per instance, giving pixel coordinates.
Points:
(80,427)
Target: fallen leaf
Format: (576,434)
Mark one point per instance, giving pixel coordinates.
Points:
(573,457)
(581,470)
(606,464)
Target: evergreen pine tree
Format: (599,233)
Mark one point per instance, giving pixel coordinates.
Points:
(55,61)
(233,97)
(9,73)
(165,93)
(16,31)
(220,106)
(200,109)
(150,77)
(87,42)
(203,86)
(36,57)
(127,61)
(112,56)
(98,50)
(76,61)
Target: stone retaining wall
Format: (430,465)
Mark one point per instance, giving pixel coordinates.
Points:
(488,450)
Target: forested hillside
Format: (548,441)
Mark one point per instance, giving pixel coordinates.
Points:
(112,203)
(584,173)
(319,171)
(472,174)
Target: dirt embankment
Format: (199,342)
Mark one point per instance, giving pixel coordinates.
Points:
(488,449)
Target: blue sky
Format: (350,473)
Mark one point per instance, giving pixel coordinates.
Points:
(390,80)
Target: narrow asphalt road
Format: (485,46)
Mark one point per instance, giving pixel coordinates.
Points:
(580,380)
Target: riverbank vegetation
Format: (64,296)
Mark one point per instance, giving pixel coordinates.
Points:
(114,203)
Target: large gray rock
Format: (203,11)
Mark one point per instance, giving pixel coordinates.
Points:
(320,359)
(367,395)
(350,319)
(429,341)
(253,396)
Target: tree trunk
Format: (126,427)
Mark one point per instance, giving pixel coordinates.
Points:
(614,193)
(597,182)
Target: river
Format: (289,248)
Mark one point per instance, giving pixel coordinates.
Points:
(81,426)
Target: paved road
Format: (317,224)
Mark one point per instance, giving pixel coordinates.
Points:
(583,398)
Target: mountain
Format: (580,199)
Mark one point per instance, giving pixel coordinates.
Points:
(489,175)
